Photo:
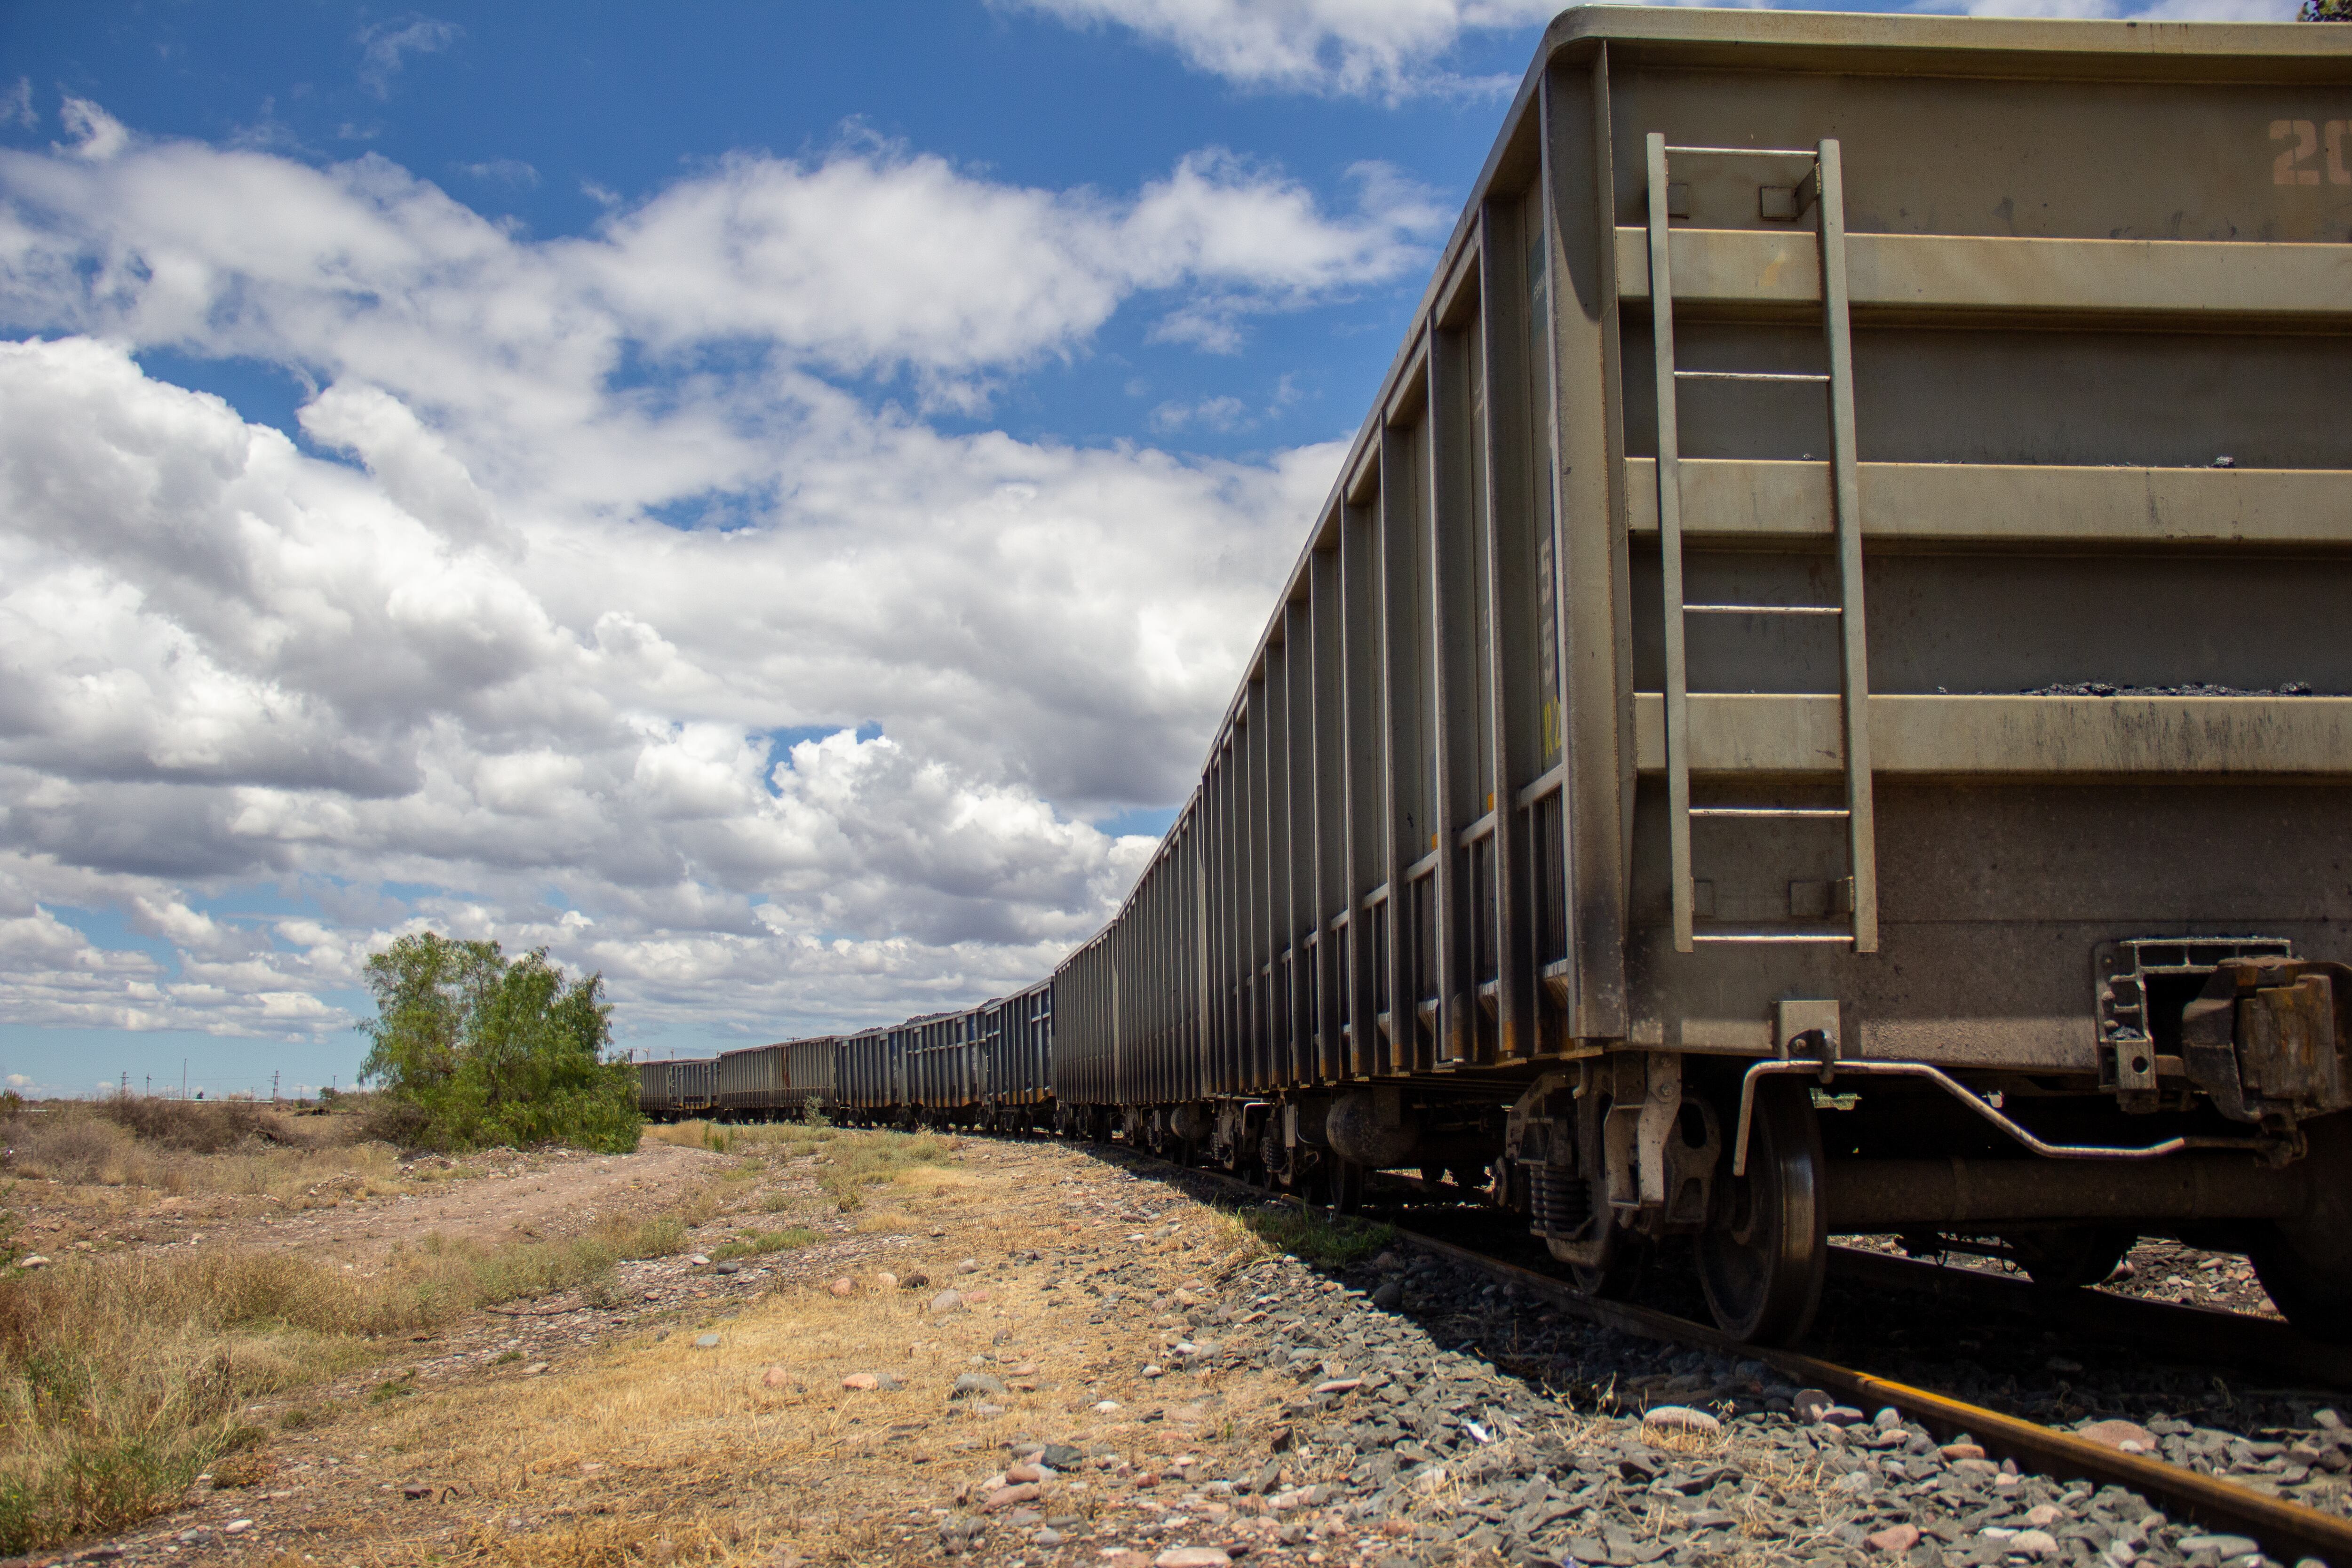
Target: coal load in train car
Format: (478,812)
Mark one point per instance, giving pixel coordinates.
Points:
(1818,700)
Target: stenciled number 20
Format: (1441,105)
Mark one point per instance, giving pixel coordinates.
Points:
(2298,165)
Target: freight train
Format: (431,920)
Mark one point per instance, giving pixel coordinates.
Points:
(1819,701)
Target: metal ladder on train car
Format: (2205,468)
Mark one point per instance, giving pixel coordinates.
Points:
(1846,504)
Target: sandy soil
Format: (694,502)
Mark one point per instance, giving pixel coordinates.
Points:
(703,1417)
(357,1215)
(540,1196)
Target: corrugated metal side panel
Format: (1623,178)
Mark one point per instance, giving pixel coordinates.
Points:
(941,1048)
(751,1080)
(808,1072)
(1082,1063)
(1030,1044)
(865,1079)
(695,1084)
(1013,1042)
(1123,1019)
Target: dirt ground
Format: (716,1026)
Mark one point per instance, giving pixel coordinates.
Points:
(810,1383)
(542,1196)
(745,1412)
(359,1214)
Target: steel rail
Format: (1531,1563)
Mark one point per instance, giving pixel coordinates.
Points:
(2285,1530)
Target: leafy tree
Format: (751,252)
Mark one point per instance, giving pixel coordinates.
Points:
(474,1048)
(2326,11)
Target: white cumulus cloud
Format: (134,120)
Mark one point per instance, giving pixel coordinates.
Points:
(1380,48)
(447,665)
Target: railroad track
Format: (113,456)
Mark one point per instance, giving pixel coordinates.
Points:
(2287,1531)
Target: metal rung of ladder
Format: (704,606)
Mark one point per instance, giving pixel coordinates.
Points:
(1837,811)
(1838,937)
(1846,492)
(1806,377)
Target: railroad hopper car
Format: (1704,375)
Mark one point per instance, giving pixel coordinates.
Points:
(653,1090)
(942,1067)
(751,1082)
(782,1082)
(1818,700)
(671,1091)
(869,1078)
(808,1073)
(1014,1046)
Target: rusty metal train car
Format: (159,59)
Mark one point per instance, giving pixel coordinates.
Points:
(668,1090)
(1818,700)
(768,1083)
(1013,1041)
(988,1067)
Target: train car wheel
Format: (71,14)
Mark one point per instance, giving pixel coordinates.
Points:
(1344,1187)
(2306,1263)
(1762,1260)
(2070,1257)
(1617,1272)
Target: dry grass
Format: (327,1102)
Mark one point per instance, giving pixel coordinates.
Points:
(757,1243)
(650,1449)
(121,1375)
(659,1451)
(849,1161)
(677,1436)
(692,1457)
(678,1429)
(232,1148)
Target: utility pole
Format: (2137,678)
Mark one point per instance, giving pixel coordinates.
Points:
(124,1092)
(273,1087)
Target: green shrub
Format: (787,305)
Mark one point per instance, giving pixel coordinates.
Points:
(473,1049)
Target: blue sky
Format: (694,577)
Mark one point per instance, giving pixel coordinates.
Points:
(765,500)
(547,116)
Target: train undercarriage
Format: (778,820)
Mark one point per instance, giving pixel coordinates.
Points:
(1633,1156)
